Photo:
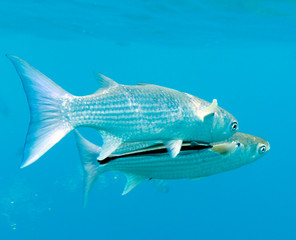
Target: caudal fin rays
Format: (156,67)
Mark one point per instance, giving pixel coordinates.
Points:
(46,125)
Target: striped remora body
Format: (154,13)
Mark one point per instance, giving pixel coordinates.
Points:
(191,163)
(120,113)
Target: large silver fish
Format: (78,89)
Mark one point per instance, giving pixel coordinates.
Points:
(120,113)
(194,161)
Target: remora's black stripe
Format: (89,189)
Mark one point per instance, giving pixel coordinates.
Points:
(156,151)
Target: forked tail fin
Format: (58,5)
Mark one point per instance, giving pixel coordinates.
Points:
(44,97)
(93,169)
(88,156)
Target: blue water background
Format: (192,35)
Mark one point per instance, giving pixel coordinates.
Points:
(240,52)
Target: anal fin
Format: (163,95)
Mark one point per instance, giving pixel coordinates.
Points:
(110,144)
(160,185)
(173,147)
(132,181)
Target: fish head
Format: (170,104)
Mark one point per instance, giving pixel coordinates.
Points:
(249,147)
(224,125)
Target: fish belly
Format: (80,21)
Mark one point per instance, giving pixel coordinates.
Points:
(186,165)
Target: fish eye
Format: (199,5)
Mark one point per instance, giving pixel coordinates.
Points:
(234,126)
(262,149)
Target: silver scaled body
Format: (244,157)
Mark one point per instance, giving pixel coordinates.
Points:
(191,163)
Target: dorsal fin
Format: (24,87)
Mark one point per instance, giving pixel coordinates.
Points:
(104,82)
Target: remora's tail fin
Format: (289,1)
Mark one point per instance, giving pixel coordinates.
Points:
(44,97)
(88,155)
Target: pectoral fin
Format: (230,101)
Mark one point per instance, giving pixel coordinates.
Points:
(224,148)
(110,144)
(173,147)
(132,181)
(208,110)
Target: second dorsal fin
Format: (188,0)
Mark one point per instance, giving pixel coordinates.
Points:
(104,82)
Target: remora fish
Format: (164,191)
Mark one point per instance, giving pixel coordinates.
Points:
(192,162)
(120,113)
